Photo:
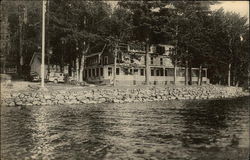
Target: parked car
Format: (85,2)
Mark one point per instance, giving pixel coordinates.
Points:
(56,77)
(33,77)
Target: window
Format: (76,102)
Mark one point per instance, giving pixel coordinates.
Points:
(157,72)
(131,71)
(166,72)
(93,72)
(106,60)
(89,72)
(136,71)
(171,50)
(203,73)
(119,57)
(117,71)
(161,72)
(152,60)
(161,61)
(195,73)
(142,72)
(160,49)
(97,72)
(100,62)
(152,72)
(126,71)
(180,72)
(109,71)
(101,70)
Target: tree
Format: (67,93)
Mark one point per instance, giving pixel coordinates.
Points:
(24,22)
(227,30)
(80,28)
(144,23)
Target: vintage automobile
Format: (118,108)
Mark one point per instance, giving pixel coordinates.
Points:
(33,77)
(56,77)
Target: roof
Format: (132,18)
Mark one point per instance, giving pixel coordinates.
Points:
(97,50)
(38,56)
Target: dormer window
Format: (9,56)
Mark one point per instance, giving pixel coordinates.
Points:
(160,49)
(106,60)
(169,51)
(152,60)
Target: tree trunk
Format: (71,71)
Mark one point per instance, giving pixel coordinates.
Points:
(77,69)
(20,48)
(235,78)
(237,83)
(175,63)
(229,75)
(62,64)
(115,58)
(190,73)
(200,76)
(70,68)
(176,51)
(186,73)
(81,67)
(147,64)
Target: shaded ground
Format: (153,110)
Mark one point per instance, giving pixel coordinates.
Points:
(17,86)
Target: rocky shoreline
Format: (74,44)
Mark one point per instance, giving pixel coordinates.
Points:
(112,95)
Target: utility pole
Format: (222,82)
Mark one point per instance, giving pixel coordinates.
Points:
(43,43)
(49,51)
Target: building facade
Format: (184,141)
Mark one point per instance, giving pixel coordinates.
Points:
(35,65)
(130,66)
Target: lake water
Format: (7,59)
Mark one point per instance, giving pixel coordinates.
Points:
(207,129)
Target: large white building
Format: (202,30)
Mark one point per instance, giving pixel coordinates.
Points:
(131,64)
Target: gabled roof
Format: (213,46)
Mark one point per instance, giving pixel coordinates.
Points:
(38,56)
(98,50)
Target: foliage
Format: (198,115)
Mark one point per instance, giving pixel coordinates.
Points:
(209,38)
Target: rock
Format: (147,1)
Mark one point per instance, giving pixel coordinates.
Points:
(139,151)
(29,104)
(36,103)
(47,96)
(11,104)
(49,102)
(21,95)
(116,101)
(121,95)
(19,103)
(61,101)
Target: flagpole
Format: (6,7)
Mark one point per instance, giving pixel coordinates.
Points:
(43,44)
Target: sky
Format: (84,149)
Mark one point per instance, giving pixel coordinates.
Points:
(241,7)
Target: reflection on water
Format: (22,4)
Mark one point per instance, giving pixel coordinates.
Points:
(156,130)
